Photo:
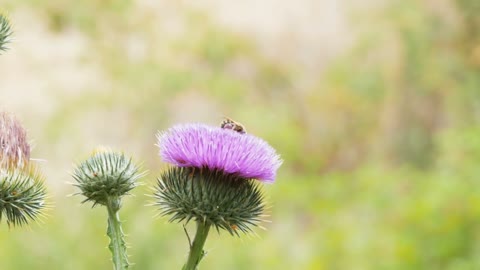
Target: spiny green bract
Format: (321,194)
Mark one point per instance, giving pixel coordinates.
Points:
(5,32)
(22,196)
(106,175)
(226,201)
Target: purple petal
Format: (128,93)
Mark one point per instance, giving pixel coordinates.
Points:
(198,145)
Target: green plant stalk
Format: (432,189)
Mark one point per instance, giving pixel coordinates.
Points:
(196,249)
(114,230)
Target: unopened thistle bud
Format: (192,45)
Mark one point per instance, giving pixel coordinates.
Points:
(104,179)
(106,175)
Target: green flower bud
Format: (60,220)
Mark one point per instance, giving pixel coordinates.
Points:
(106,175)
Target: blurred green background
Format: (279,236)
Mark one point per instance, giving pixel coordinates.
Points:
(374,106)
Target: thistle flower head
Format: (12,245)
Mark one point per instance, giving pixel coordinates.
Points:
(106,175)
(213,179)
(14,148)
(197,145)
(5,32)
(22,192)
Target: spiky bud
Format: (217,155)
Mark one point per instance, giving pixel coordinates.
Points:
(106,175)
(5,32)
(226,201)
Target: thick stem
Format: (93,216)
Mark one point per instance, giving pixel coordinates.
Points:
(114,231)
(196,249)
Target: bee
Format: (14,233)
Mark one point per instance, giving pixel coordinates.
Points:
(228,123)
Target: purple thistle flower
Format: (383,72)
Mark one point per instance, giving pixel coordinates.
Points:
(198,145)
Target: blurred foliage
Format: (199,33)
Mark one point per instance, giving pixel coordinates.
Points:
(381,153)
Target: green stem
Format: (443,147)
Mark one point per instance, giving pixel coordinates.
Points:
(114,231)
(196,249)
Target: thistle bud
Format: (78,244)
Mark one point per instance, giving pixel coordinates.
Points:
(104,179)
(106,175)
